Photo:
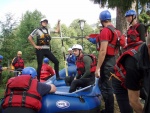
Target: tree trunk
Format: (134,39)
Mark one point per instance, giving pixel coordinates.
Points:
(121,23)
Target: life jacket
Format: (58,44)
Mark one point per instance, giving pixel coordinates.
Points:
(120,71)
(43,39)
(45,72)
(19,63)
(114,44)
(81,67)
(132,34)
(22,92)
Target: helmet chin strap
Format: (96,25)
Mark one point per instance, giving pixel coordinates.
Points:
(102,24)
(79,53)
(132,20)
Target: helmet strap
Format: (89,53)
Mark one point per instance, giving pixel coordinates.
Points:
(132,19)
(79,52)
(102,23)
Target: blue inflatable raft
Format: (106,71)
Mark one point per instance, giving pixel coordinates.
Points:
(83,100)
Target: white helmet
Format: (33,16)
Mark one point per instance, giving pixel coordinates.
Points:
(44,19)
(77,46)
(70,49)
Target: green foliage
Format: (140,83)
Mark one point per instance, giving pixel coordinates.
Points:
(5,76)
(144,18)
(7,33)
(29,22)
(124,5)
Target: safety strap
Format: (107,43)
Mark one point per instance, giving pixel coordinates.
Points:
(120,71)
(42,30)
(10,98)
(113,31)
(24,94)
(133,45)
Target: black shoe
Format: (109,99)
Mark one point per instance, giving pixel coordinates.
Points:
(58,78)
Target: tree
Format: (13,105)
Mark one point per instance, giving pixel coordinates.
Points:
(7,33)
(122,6)
(88,47)
(29,22)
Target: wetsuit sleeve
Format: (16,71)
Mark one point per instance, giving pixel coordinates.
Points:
(133,77)
(141,30)
(14,61)
(43,88)
(34,33)
(87,63)
(92,40)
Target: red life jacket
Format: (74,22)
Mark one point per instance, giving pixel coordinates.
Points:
(114,44)
(45,71)
(81,67)
(120,71)
(22,92)
(19,63)
(132,34)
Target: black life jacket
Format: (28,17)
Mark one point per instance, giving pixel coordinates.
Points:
(43,39)
(120,71)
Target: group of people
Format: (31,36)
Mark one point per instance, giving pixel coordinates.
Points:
(127,76)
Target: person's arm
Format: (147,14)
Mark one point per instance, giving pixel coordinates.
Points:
(14,61)
(133,84)
(92,40)
(57,30)
(73,58)
(101,57)
(87,63)
(30,38)
(141,30)
(53,88)
(77,76)
(44,89)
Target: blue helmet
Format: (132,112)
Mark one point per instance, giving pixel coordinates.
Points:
(29,71)
(1,57)
(105,15)
(46,60)
(130,13)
